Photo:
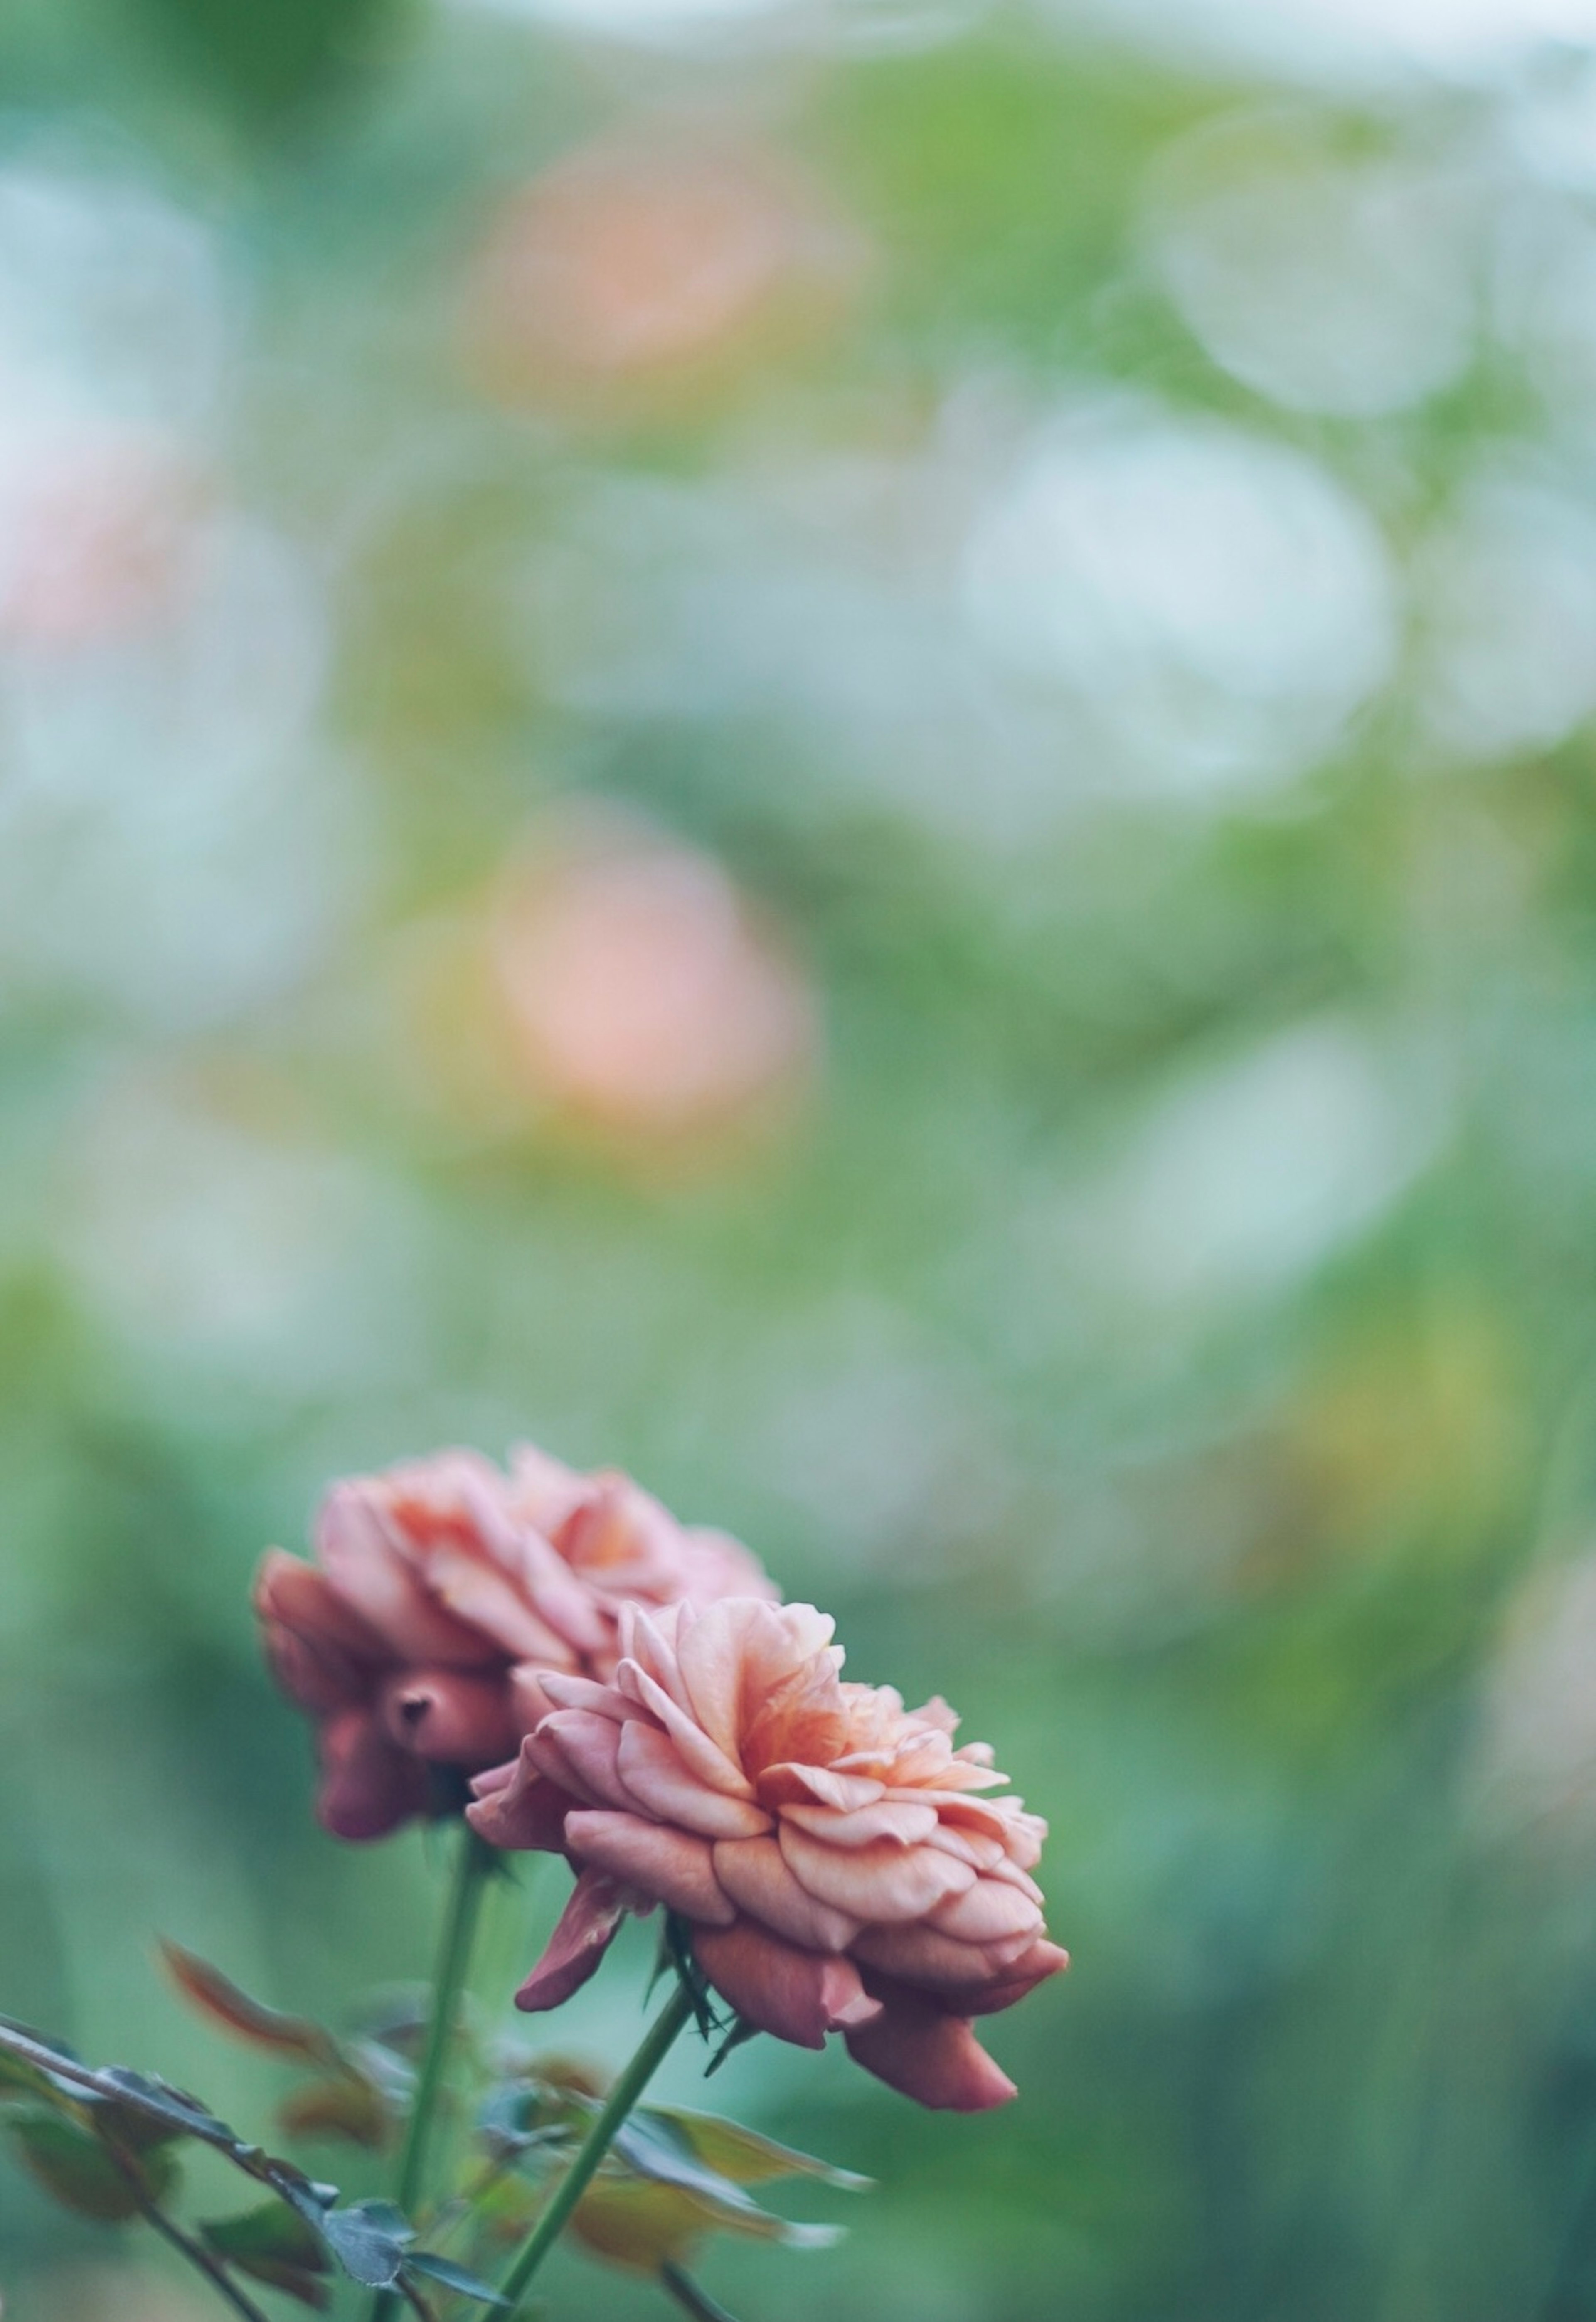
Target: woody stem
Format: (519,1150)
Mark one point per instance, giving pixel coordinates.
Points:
(454,1951)
(677,2012)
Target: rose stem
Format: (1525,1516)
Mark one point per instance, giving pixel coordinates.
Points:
(471,1867)
(694,2300)
(677,2011)
(196,2253)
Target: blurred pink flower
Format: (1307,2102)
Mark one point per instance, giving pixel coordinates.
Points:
(443,1593)
(833,1853)
(102,540)
(628,269)
(642,995)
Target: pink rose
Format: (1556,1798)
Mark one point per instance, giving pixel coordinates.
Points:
(443,1593)
(836,1856)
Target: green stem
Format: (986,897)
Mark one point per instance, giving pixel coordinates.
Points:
(195,2252)
(677,2011)
(690,2298)
(460,1926)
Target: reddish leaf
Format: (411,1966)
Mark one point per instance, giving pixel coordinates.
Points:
(214,1994)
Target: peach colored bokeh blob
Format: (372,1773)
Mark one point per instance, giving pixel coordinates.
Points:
(625,273)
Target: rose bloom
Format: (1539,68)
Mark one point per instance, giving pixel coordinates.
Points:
(835,1856)
(443,1593)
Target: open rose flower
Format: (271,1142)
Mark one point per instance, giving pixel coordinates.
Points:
(442,1595)
(837,1858)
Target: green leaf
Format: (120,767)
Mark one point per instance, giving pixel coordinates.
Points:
(273,2245)
(738,2152)
(206,1988)
(452,2277)
(370,2239)
(77,2169)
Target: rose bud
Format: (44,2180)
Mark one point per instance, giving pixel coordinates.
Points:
(836,1858)
(442,1596)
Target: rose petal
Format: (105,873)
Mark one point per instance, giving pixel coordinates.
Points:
(742,1652)
(884,1883)
(518,1808)
(368,1786)
(294,1594)
(668,1865)
(924,1955)
(968,1845)
(657,1780)
(489,1600)
(317,1675)
(1022,1975)
(928,2055)
(790,1784)
(580,1753)
(451,1717)
(587,1928)
(887,1822)
(568,1692)
(372,1572)
(754,1873)
(797,1995)
(987,1913)
(694,1750)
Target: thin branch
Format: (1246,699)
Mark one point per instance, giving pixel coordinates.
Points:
(196,2253)
(691,2297)
(677,2012)
(460,1926)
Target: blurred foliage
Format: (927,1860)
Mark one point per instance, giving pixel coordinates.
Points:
(1080,524)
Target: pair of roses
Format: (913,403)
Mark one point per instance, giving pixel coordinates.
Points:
(629,1691)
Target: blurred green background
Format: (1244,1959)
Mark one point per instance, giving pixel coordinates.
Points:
(842,750)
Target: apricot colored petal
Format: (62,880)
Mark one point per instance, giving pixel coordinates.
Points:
(881,1884)
(695,1754)
(587,1928)
(369,1569)
(580,1752)
(800,1720)
(1021,1976)
(368,1786)
(715,1564)
(797,1995)
(561,1596)
(649,1642)
(485,1597)
(969,1845)
(543,1491)
(451,1717)
(790,1784)
(987,1913)
(955,1808)
(931,2056)
(655,1778)
(920,1759)
(520,1809)
(294,1594)
(922,1954)
(318,1675)
(935,1711)
(568,1692)
(669,1865)
(754,1873)
(887,1822)
(741,1651)
(1012,1875)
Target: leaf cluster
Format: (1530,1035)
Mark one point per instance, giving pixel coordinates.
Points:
(106,2143)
